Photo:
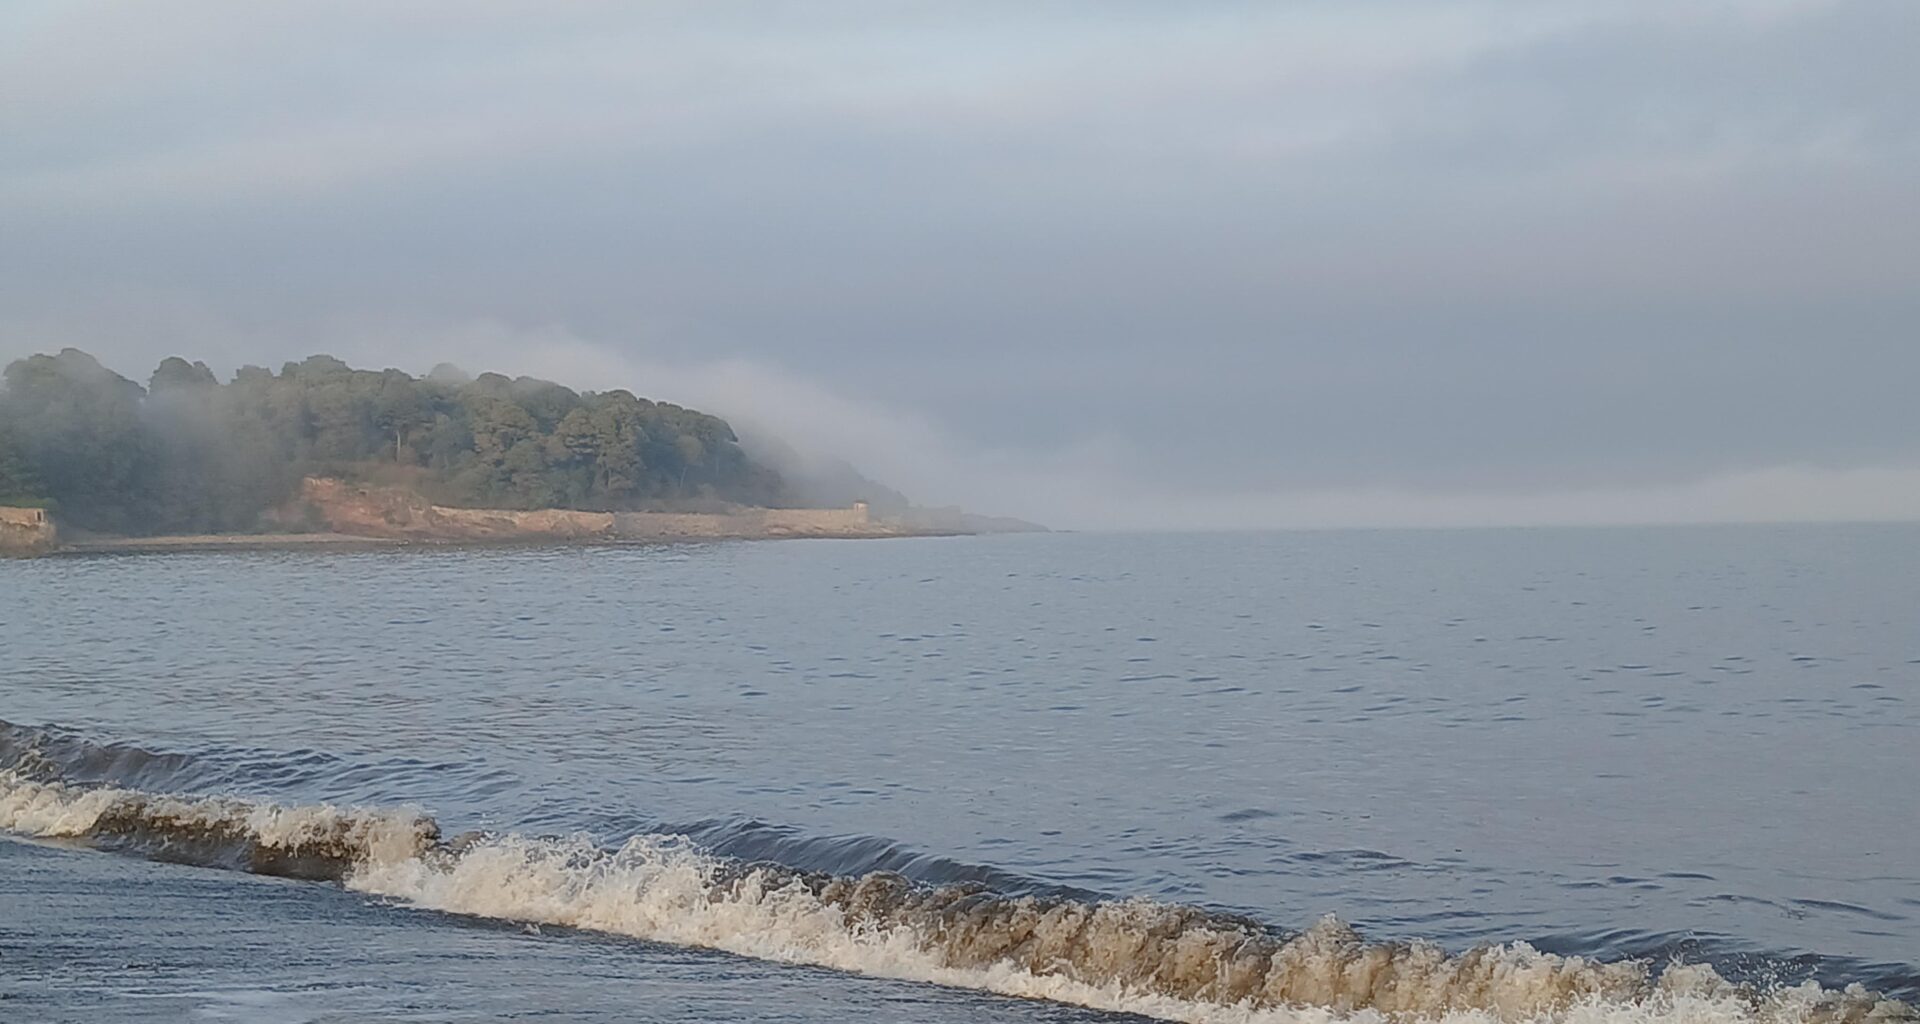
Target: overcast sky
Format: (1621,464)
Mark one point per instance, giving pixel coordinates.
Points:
(1104,264)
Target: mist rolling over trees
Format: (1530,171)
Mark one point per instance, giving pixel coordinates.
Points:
(189,454)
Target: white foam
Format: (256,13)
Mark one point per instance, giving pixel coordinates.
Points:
(663,889)
(1158,960)
(50,810)
(345,834)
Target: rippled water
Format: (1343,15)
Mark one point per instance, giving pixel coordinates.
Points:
(1700,743)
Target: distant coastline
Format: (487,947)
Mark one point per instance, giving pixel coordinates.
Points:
(337,514)
(100,544)
(200,543)
(93,461)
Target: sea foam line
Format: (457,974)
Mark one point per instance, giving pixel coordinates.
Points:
(1156,959)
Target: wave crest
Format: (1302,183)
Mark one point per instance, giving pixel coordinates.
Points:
(317,842)
(1163,960)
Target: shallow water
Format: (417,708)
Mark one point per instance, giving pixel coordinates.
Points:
(1699,742)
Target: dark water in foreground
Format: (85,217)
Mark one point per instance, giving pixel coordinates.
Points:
(1700,743)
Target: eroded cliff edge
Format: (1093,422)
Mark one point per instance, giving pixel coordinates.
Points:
(364,510)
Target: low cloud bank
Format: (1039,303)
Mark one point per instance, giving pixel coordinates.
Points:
(1101,483)
(1090,482)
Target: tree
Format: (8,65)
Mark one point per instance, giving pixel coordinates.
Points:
(189,453)
(176,376)
(399,408)
(18,484)
(78,425)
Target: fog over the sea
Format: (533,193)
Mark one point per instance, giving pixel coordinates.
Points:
(1100,264)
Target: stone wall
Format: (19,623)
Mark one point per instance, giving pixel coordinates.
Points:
(750,522)
(649,525)
(804,521)
(26,531)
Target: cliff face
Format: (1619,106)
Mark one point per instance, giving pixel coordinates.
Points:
(26,531)
(368,511)
(389,512)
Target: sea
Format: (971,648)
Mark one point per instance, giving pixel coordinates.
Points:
(1597,776)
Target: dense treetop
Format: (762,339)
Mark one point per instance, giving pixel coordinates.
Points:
(189,454)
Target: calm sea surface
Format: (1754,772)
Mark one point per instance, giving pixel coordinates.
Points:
(1700,743)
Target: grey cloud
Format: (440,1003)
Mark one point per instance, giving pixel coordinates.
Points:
(1239,251)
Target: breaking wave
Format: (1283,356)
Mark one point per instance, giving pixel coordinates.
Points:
(319,842)
(1162,960)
